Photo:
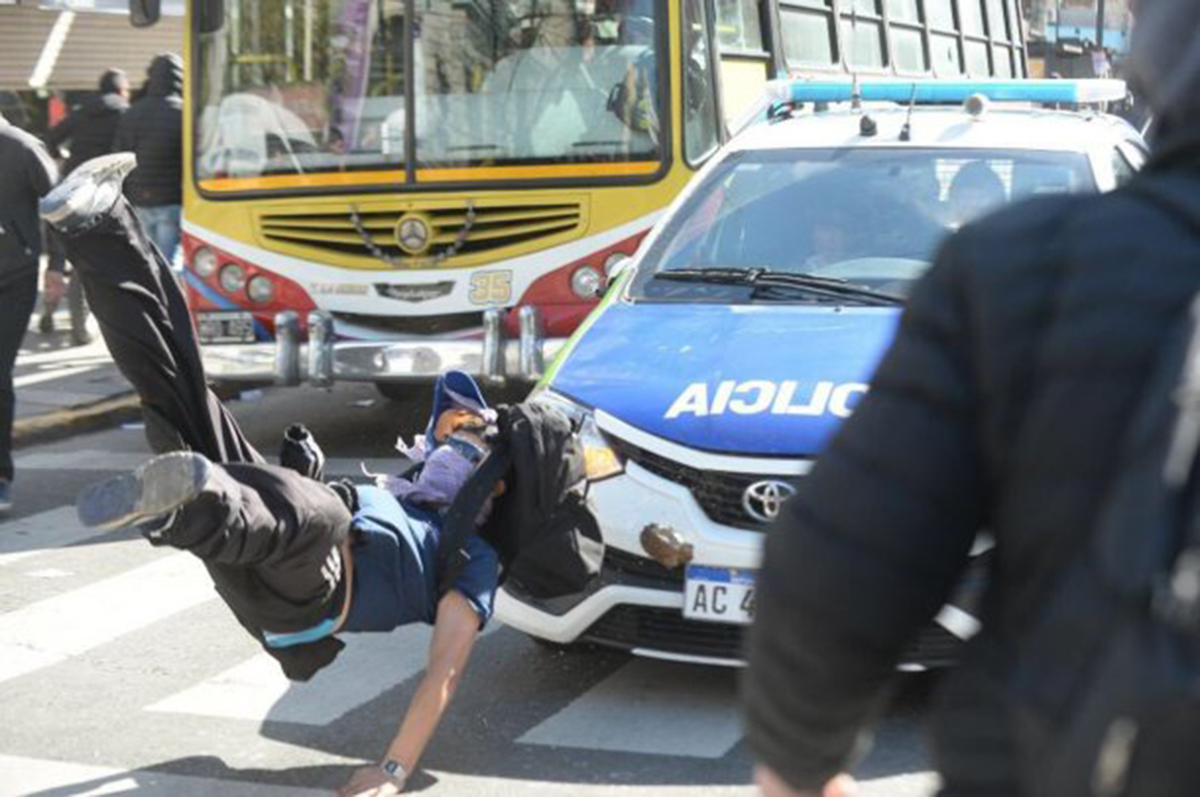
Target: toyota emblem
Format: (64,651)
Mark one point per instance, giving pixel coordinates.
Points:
(763,500)
(412,233)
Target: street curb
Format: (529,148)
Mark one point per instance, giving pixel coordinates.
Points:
(74,420)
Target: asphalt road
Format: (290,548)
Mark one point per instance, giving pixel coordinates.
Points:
(121,670)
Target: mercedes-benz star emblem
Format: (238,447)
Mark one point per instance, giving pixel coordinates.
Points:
(412,233)
(763,500)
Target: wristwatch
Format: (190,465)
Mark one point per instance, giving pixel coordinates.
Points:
(395,771)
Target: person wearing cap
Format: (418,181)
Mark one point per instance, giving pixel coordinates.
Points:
(298,561)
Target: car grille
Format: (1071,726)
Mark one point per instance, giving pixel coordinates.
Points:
(495,226)
(718,493)
(622,563)
(667,631)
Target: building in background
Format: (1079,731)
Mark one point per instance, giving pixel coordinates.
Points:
(53,51)
(1063,37)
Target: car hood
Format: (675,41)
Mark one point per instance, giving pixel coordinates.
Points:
(752,380)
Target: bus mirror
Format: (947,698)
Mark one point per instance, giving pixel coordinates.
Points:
(212,15)
(144,13)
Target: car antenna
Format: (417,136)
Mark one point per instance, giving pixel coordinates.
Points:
(906,131)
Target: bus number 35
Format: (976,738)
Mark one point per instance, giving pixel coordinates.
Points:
(491,287)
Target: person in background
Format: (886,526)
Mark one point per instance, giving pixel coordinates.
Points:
(153,131)
(1002,405)
(88,132)
(26,173)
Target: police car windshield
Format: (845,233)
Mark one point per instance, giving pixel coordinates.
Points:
(866,217)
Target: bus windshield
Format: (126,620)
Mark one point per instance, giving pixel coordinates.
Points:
(293,87)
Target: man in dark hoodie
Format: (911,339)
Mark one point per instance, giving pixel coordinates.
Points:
(88,132)
(153,131)
(1003,404)
(26,173)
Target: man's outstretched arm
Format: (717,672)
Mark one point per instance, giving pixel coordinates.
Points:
(454,635)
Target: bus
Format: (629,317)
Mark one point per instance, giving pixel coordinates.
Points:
(381,190)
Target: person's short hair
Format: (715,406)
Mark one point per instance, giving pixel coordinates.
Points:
(113,81)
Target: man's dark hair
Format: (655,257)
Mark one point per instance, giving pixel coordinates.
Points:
(113,81)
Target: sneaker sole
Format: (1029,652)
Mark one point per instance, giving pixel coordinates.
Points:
(155,488)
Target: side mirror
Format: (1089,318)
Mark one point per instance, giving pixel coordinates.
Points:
(212,15)
(144,13)
(616,266)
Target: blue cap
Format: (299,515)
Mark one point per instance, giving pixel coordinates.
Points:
(453,390)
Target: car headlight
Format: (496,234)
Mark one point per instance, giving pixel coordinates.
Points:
(601,460)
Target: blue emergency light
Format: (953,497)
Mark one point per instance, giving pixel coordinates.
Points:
(1067,92)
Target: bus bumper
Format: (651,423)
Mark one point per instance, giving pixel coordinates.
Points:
(323,360)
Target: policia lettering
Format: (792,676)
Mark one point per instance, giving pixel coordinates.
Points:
(758,396)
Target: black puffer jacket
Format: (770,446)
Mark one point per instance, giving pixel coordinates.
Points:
(153,130)
(1001,405)
(26,173)
(90,129)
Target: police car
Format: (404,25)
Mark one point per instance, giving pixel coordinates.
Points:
(723,359)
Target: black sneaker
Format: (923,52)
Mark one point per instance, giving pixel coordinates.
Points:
(86,196)
(301,453)
(5,496)
(154,490)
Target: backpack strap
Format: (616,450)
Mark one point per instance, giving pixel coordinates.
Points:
(459,521)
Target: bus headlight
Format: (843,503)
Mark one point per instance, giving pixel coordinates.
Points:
(204,262)
(233,278)
(260,290)
(601,460)
(585,282)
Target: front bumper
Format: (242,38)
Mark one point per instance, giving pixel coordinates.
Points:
(323,360)
(637,604)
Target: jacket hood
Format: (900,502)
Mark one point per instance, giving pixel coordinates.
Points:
(1166,73)
(165,76)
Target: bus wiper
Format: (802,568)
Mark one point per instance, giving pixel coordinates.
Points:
(766,279)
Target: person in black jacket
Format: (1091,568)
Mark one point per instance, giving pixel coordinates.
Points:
(1001,405)
(26,173)
(153,131)
(296,560)
(89,132)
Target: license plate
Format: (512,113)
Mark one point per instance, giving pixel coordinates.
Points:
(719,594)
(226,327)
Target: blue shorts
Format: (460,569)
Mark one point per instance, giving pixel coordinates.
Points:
(478,578)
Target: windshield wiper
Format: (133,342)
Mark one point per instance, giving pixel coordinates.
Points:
(765,279)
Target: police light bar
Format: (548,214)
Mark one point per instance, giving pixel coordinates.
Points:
(1067,92)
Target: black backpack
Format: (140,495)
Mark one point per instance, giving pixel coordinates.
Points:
(1105,688)
(543,526)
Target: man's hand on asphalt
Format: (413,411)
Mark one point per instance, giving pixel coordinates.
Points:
(370,782)
(771,785)
(53,287)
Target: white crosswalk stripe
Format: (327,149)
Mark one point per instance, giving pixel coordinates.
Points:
(650,707)
(257,690)
(55,629)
